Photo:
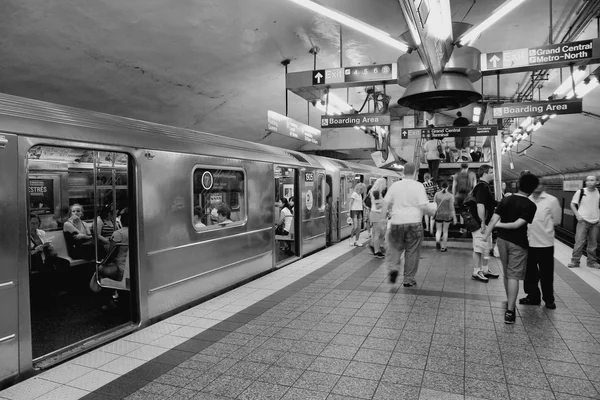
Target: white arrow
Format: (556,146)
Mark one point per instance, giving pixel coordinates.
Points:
(318,76)
(494,60)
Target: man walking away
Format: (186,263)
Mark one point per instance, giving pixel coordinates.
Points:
(463,182)
(511,218)
(409,202)
(430,190)
(462,143)
(485,204)
(540,260)
(585,206)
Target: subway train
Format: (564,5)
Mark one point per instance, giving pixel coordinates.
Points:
(201,216)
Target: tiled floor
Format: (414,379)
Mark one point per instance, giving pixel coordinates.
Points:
(331,327)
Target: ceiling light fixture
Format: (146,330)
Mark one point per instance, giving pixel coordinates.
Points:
(471,35)
(353,23)
(584,87)
(567,84)
(476,114)
(338,103)
(320,105)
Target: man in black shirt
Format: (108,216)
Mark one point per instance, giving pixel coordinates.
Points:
(511,218)
(483,213)
(462,143)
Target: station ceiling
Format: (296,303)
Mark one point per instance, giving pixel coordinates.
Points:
(215,65)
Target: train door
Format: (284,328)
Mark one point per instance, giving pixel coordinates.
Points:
(331,212)
(80,207)
(287,238)
(346,188)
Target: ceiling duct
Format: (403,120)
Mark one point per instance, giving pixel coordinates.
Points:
(455,89)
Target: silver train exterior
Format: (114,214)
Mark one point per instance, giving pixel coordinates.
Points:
(172,265)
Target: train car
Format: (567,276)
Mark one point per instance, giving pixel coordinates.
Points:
(195,213)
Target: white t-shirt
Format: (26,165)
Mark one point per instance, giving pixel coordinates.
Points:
(406,196)
(588,209)
(287,221)
(357,204)
(540,232)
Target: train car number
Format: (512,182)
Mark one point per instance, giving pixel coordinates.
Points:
(309,176)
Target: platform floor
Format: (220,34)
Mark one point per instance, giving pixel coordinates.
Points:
(331,327)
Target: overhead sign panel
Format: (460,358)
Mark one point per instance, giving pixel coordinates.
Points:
(450,131)
(550,56)
(431,21)
(534,108)
(351,120)
(343,77)
(289,127)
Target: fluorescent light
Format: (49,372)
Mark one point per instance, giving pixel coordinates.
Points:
(537,126)
(476,114)
(584,88)
(545,116)
(529,128)
(553,116)
(356,127)
(567,84)
(329,110)
(338,103)
(353,23)
(363,127)
(471,35)
(526,123)
(525,135)
(508,139)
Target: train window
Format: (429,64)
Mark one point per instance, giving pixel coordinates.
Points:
(219,198)
(321,192)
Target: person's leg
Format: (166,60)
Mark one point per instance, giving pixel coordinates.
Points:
(427,221)
(445,227)
(394,250)
(546,263)
(435,165)
(438,234)
(376,236)
(358,226)
(430,166)
(517,262)
(413,239)
(503,250)
(592,239)
(581,232)
(530,286)
(431,225)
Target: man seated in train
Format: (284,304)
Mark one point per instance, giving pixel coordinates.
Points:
(224,215)
(198,218)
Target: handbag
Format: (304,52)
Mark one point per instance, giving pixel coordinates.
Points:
(280,229)
(94,286)
(441,152)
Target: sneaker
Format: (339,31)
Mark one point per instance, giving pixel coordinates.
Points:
(393,276)
(491,275)
(443,249)
(358,244)
(509,317)
(527,301)
(479,276)
(551,306)
(573,265)
(438,246)
(372,249)
(379,255)
(594,265)
(409,284)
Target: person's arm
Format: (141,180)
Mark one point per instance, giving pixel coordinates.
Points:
(454,186)
(424,202)
(70,228)
(481,215)
(452,210)
(493,223)
(100,225)
(511,225)
(556,211)
(575,211)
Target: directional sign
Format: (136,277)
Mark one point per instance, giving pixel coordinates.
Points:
(342,77)
(288,127)
(450,131)
(543,57)
(351,120)
(534,108)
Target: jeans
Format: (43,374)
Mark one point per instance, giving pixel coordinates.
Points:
(434,165)
(407,239)
(540,268)
(585,231)
(379,235)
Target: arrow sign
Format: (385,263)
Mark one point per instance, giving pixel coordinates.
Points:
(318,77)
(494,60)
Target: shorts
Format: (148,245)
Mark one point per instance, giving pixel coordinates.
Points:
(481,246)
(356,214)
(513,258)
(443,220)
(462,142)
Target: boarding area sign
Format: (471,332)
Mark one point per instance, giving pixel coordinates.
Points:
(342,77)
(544,57)
(536,108)
(289,127)
(449,131)
(351,120)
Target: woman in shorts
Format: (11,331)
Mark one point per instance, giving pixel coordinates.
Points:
(443,216)
(356,212)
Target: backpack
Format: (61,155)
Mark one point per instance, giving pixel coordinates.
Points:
(367,201)
(466,211)
(581,194)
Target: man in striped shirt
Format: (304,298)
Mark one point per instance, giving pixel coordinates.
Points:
(430,189)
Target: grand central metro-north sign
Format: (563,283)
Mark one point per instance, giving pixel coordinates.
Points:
(542,57)
(441,132)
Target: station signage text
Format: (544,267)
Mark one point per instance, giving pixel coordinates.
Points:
(450,131)
(535,108)
(351,120)
(289,127)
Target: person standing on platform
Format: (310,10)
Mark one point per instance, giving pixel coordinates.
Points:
(409,202)
(462,143)
(430,188)
(585,206)
(483,212)
(511,218)
(356,212)
(540,259)
(462,183)
(378,217)
(444,215)
(432,155)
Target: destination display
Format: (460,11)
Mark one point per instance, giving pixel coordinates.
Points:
(550,56)
(535,108)
(289,127)
(342,77)
(351,120)
(450,131)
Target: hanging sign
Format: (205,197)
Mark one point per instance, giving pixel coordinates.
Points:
(535,108)
(333,78)
(289,127)
(351,120)
(542,57)
(450,131)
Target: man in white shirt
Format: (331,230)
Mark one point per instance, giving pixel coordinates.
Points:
(540,258)
(586,208)
(409,202)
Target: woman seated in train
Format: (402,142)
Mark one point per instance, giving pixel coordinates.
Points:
(224,215)
(198,218)
(105,227)
(43,254)
(291,204)
(284,223)
(78,235)
(115,267)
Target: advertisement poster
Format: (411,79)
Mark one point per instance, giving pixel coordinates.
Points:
(41,195)
(288,191)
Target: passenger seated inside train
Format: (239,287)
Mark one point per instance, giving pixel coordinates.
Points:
(284,223)
(198,218)
(44,260)
(105,227)
(224,215)
(115,268)
(78,235)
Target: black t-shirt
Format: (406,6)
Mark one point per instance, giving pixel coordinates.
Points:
(461,121)
(483,195)
(476,156)
(510,209)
